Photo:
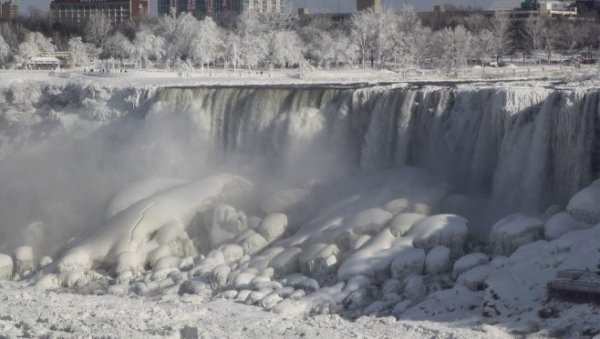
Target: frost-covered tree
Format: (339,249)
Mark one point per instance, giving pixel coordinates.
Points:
(178,32)
(499,27)
(118,46)
(79,52)
(344,52)
(286,48)
(207,45)
(35,44)
(232,50)
(533,31)
(364,31)
(147,47)
(451,47)
(4,51)
(483,45)
(409,37)
(97,29)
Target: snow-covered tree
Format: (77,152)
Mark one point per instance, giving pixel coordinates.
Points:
(79,52)
(483,45)
(286,48)
(534,33)
(35,44)
(451,47)
(364,31)
(97,29)
(207,45)
(118,46)
(500,26)
(147,47)
(178,32)
(232,50)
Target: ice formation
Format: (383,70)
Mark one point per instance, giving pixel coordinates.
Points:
(374,200)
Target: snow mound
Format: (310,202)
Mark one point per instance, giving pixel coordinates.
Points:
(468,262)
(584,206)
(369,221)
(445,229)
(514,231)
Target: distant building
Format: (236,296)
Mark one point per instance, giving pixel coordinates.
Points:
(9,10)
(217,8)
(555,9)
(589,9)
(362,5)
(78,12)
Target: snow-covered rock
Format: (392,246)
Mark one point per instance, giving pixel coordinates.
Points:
(514,231)
(474,279)
(468,262)
(414,288)
(584,206)
(45,261)
(408,262)
(6,267)
(286,262)
(562,223)
(273,226)
(403,222)
(445,229)
(23,261)
(369,221)
(253,243)
(437,260)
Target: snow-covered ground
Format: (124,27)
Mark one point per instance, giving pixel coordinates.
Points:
(143,205)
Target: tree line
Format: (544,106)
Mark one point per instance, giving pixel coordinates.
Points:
(367,39)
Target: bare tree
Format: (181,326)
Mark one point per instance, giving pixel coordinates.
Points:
(499,27)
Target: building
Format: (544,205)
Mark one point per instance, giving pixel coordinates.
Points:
(9,10)
(556,9)
(217,8)
(362,5)
(78,12)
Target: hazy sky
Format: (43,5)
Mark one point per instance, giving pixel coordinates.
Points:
(315,5)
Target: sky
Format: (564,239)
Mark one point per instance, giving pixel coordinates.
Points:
(345,6)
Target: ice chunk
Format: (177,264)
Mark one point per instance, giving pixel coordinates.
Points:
(445,229)
(514,231)
(584,205)
(402,223)
(562,223)
(468,262)
(273,226)
(6,267)
(409,261)
(437,260)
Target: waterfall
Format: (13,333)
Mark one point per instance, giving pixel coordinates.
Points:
(524,148)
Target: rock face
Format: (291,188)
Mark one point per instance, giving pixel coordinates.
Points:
(6,267)
(514,231)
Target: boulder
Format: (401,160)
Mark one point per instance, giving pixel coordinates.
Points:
(6,267)
(513,232)
(437,260)
(444,229)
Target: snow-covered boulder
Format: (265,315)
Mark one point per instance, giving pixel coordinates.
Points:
(562,223)
(6,267)
(253,243)
(45,261)
(127,238)
(445,229)
(403,222)
(369,221)
(584,206)
(409,261)
(397,205)
(23,261)
(414,288)
(286,262)
(474,279)
(468,262)
(514,231)
(232,253)
(437,260)
(318,259)
(273,226)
